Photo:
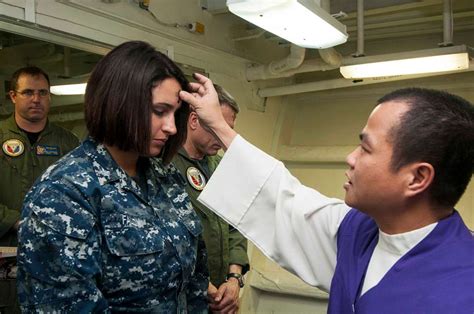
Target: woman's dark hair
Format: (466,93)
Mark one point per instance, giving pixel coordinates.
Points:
(438,128)
(118,99)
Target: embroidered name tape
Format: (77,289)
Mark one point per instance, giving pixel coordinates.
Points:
(47,150)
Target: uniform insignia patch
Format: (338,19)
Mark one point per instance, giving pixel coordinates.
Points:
(13,147)
(196,178)
(47,150)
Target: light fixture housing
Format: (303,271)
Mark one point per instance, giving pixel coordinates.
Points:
(69,89)
(301,22)
(443,59)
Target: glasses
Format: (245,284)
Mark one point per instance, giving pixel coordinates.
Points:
(29,93)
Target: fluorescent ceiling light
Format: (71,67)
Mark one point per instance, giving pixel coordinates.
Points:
(301,22)
(70,89)
(436,60)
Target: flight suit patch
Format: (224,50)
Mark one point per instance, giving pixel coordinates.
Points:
(195,178)
(47,150)
(13,147)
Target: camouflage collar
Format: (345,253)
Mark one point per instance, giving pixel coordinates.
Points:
(108,171)
(105,167)
(160,169)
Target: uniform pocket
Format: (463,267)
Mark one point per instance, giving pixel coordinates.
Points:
(59,211)
(127,235)
(192,223)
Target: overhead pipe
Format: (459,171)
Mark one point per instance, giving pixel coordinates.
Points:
(325,5)
(411,21)
(294,62)
(330,60)
(400,8)
(67,62)
(340,83)
(330,55)
(312,65)
(360,29)
(343,83)
(277,68)
(57,57)
(30,11)
(447,24)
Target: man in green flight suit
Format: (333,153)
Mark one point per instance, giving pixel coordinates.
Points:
(227,248)
(30,143)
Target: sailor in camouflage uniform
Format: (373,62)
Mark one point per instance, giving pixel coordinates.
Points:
(98,235)
(92,239)
(30,143)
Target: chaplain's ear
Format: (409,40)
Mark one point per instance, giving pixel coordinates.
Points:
(420,177)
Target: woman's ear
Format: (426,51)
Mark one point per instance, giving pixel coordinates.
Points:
(421,176)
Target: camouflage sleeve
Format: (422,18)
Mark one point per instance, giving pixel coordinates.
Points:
(58,256)
(197,288)
(8,218)
(238,249)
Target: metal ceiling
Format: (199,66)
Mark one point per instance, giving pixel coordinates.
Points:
(386,21)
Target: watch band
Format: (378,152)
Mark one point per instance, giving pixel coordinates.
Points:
(237,276)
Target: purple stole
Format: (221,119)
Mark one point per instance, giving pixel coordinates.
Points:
(436,276)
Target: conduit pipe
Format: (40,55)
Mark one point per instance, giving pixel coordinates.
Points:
(57,57)
(293,63)
(360,29)
(67,62)
(278,68)
(447,24)
(313,65)
(330,60)
(342,83)
(330,55)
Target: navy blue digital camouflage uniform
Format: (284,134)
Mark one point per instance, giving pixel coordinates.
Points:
(92,241)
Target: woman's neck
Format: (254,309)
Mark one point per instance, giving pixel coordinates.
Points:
(127,160)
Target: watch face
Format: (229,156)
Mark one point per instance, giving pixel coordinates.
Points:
(239,278)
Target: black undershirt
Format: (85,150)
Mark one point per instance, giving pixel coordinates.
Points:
(32,137)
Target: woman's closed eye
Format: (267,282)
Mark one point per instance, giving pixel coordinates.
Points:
(159,112)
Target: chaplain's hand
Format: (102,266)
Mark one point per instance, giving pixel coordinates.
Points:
(204,101)
(226,298)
